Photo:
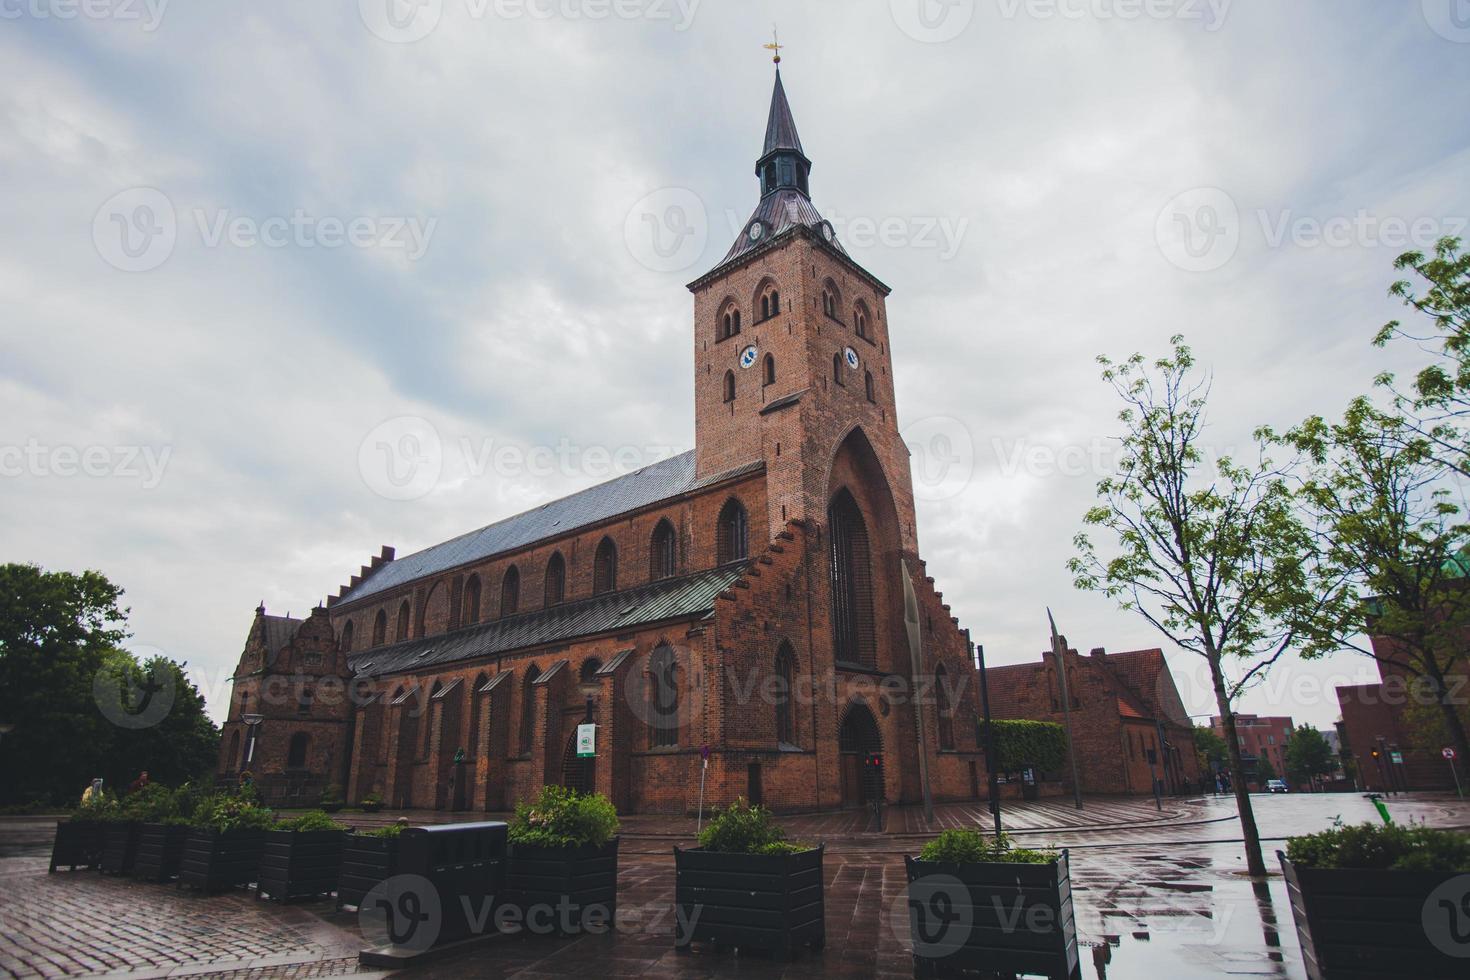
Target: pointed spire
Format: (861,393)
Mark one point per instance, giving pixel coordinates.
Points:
(781,125)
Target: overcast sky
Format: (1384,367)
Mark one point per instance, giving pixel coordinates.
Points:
(246,245)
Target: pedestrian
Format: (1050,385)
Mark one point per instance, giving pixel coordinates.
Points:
(140,782)
(93,791)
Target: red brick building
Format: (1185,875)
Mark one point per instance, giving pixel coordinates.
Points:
(1127,718)
(1260,738)
(747,596)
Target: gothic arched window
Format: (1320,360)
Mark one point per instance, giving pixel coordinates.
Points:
(510,591)
(471,601)
(860,321)
(380,628)
(663,552)
(837,368)
(733,530)
(344,642)
(869,386)
(785,678)
(605,567)
(768,371)
(663,692)
(851,581)
(556,579)
(296,751)
(402,632)
(729,387)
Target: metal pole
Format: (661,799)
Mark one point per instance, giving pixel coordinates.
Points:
(1056,649)
(699,825)
(1459,791)
(916,657)
(992,776)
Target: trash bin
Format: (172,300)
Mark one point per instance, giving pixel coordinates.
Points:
(466,864)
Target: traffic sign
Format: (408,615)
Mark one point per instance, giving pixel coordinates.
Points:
(1449,753)
(1396,757)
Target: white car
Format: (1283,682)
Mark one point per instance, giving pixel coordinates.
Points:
(1276,786)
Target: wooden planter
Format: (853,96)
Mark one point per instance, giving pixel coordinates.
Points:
(992,918)
(572,877)
(300,864)
(366,861)
(160,851)
(772,902)
(214,861)
(119,847)
(77,845)
(1367,923)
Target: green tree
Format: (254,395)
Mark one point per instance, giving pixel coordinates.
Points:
(1309,756)
(1264,771)
(1211,750)
(1210,556)
(1021,744)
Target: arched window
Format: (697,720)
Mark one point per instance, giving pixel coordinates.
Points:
(775,302)
(233,758)
(296,751)
(727,326)
(851,582)
(860,321)
(588,673)
(729,387)
(728,321)
(344,642)
(380,628)
(945,707)
(556,579)
(785,679)
(528,708)
(663,552)
(765,307)
(770,302)
(663,692)
(471,601)
(510,592)
(402,631)
(868,386)
(768,372)
(733,532)
(837,368)
(605,567)
(831,301)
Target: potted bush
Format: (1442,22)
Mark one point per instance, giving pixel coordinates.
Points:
(745,885)
(162,834)
(121,832)
(368,857)
(564,855)
(301,858)
(978,904)
(224,843)
(331,800)
(372,802)
(79,838)
(1373,900)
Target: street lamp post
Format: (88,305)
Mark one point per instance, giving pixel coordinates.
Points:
(992,776)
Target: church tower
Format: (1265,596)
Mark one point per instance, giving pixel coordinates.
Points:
(792,358)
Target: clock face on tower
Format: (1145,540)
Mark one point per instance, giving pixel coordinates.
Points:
(756,231)
(851,356)
(748,356)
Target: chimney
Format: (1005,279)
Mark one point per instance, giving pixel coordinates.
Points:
(1099,652)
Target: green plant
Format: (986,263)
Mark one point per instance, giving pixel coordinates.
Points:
(332,794)
(372,799)
(227,812)
(153,803)
(311,820)
(562,817)
(973,847)
(1019,744)
(744,829)
(98,808)
(390,831)
(1382,846)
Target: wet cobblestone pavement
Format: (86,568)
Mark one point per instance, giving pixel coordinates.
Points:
(1157,895)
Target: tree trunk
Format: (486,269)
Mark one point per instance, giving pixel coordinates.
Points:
(1454,726)
(1254,863)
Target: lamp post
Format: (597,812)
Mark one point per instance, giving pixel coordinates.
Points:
(992,776)
(252,730)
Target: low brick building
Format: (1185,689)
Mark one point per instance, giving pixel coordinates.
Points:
(1260,738)
(1127,718)
(746,598)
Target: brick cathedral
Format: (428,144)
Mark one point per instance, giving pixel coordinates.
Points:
(744,601)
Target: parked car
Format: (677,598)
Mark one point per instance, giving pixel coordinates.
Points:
(1276,786)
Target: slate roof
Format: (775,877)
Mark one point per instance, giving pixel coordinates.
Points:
(278,633)
(650,485)
(780,124)
(779,211)
(676,598)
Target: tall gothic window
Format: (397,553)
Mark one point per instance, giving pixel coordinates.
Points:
(768,371)
(344,642)
(733,530)
(605,567)
(851,582)
(837,368)
(860,321)
(729,387)
(556,579)
(944,707)
(380,628)
(510,592)
(296,751)
(869,386)
(663,552)
(785,677)
(472,601)
(663,693)
(402,632)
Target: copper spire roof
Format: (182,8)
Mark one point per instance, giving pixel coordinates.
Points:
(781,126)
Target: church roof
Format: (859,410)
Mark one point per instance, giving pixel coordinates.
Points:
(644,487)
(781,125)
(676,598)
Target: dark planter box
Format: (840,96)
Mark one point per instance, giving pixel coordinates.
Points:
(119,847)
(772,902)
(214,861)
(160,851)
(1363,924)
(77,845)
(366,861)
(370,807)
(1000,918)
(573,878)
(299,865)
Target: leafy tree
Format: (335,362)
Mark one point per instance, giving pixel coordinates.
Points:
(1211,749)
(1309,756)
(1209,556)
(1264,770)
(1021,744)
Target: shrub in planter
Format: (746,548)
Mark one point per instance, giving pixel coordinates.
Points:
(79,839)
(368,857)
(1379,901)
(564,856)
(978,904)
(331,800)
(371,803)
(747,886)
(301,858)
(224,843)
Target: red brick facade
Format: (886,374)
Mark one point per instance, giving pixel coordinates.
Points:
(794,676)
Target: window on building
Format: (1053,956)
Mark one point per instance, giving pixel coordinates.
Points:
(663,552)
(785,681)
(663,692)
(380,628)
(304,700)
(729,387)
(837,368)
(860,321)
(605,567)
(403,614)
(588,673)
(768,371)
(556,579)
(472,600)
(733,530)
(869,387)
(344,642)
(945,709)
(729,322)
(296,750)
(851,582)
(510,591)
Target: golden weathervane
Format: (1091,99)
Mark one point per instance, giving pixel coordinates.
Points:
(775,46)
